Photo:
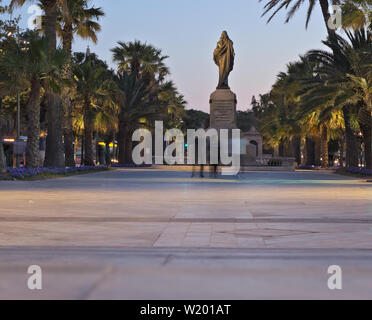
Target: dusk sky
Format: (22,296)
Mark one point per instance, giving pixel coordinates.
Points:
(188,31)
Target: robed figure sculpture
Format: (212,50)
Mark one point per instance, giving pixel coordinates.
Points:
(224,56)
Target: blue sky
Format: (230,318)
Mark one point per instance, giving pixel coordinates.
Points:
(188,31)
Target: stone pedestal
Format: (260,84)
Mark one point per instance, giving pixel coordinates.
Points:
(223,109)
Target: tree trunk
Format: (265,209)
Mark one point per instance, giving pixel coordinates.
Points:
(281,149)
(2,157)
(121,142)
(324,147)
(54,154)
(342,151)
(324,4)
(124,143)
(88,135)
(82,151)
(351,139)
(317,149)
(50,7)
(325,11)
(364,120)
(66,99)
(296,146)
(33,111)
(276,152)
(128,147)
(366,131)
(367,146)
(68,133)
(287,148)
(108,140)
(3,164)
(310,152)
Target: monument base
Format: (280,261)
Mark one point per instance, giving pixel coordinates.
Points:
(223,109)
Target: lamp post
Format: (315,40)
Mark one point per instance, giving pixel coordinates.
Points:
(18,115)
(18,130)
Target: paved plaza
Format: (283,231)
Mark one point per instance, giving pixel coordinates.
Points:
(154,234)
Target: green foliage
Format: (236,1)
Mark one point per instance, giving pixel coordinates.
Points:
(292,6)
(8,27)
(246,120)
(143,93)
(94,88)
(141,59)
(27,56)
(356,14)
(173,105)
(82,20)
(342,79)
(195,119)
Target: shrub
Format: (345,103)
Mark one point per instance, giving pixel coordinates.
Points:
(275,163)
(360,171)
(23,173)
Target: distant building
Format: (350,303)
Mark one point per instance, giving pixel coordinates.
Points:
(253,142)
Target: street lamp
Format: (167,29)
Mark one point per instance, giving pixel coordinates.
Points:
(18,125)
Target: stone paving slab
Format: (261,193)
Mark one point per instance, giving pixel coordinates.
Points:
(169,273)
(155,234)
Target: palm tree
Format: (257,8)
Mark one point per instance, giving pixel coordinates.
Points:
(139,58)
(353,10)
(141,73)
(141,101)
(173,105)
(137,99)
(343,81)
(293,6)
(80,22)
(357,14)
(279,120)
(36,64)
(91,78)
(54,150)
(361,80)
(106,123)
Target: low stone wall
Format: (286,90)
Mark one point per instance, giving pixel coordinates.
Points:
(190,168)
(247,164)
(279,162)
